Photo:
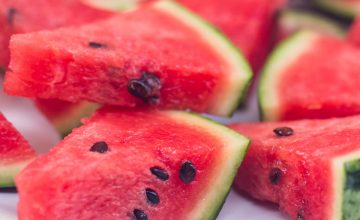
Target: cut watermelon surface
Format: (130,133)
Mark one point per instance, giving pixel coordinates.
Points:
(65,115)
(133,164)
(18,16)
(125,61)
(15,153)
(290,21)
(310,168)
(248,23)
(311,76)
(346,8)
(354,33)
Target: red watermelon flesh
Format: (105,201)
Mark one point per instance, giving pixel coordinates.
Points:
(311,174)
(248,23)
(311,76)
(21,16)
(126,61)
(15,153)
(166,165)
(354,33)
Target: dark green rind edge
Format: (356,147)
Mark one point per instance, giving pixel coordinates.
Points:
(337,8)
(351,190)
(274,56)
(247,70)
(222,198)
(319,20)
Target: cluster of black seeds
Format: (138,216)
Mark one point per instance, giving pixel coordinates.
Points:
(147,88)
(187,174)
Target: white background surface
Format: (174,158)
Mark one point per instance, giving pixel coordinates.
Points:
(42,136)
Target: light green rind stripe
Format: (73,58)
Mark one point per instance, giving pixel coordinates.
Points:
(233,91)
(235,147)
(340,7)
(282,57)
(307,20)
(8,173)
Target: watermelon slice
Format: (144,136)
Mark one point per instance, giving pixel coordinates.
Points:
(15,153)
(354,33)
(248,23)
(134,164)
(65,115)
(311,76)
(125,61)
(310,168)
(345,8)
(18,16)
(292,20)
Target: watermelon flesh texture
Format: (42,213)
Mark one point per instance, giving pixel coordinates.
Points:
(65,115)
(18,16)
(249,24)
(113,183)
(311,76)
(190,65)
(354,33)
(15,153)
(312,174)
(291,21)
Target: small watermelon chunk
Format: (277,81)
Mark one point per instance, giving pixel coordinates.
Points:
(65,115)
(123,164)
(15,153)
(354,33)
(310,168)
(125,61)
(293,20)
(311,76)
(345,8)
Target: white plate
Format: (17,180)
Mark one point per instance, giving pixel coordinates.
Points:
(39,132)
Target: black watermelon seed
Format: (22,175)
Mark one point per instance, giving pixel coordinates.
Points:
(140,214)
(159,173)
(283,131)
(152,196)
(11,15)
(100,147)
(187,172)
(146,88)
(300,215)
(96,45)
(275,175)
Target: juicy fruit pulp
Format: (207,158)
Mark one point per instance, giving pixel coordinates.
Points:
(185,64)
(311,174)
(354,33)
(15,153)
(319,80)
(18,16)
(158,165)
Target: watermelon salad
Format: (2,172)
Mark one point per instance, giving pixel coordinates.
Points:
(125,83)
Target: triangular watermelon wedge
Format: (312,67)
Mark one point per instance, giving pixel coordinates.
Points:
(310,168)
(133,164)
(311,76)
(15,153)
(161,55)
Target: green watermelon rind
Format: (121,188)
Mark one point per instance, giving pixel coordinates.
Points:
(281,58)
(112,5)
(234,90)
(340,166)
(339,7)
(306,18)
(219,188)
(8,173)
